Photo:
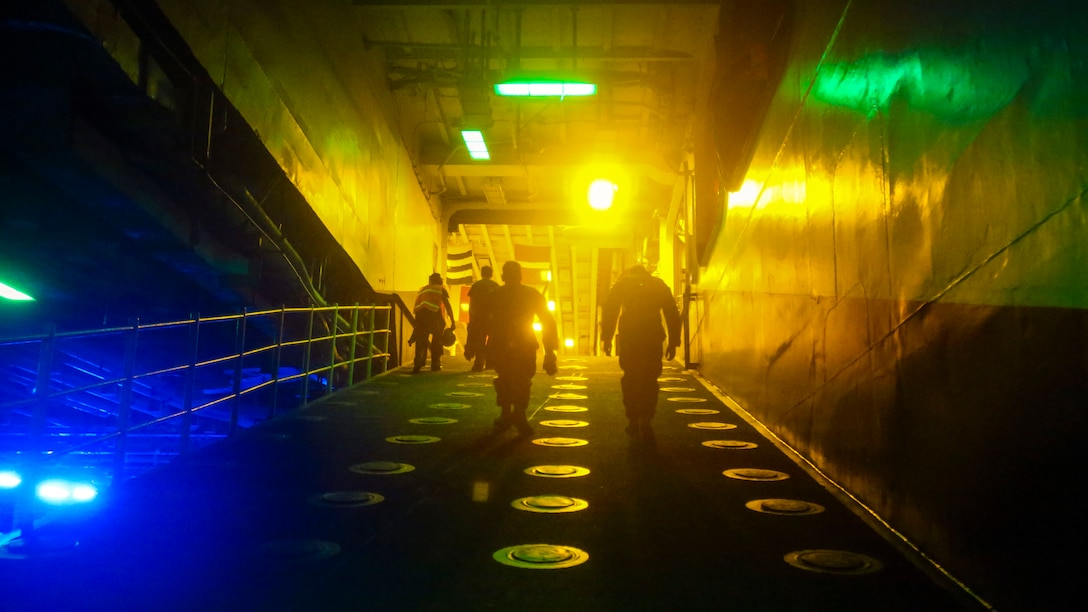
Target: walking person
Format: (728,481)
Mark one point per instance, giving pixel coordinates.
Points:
(638,301)
(431,308)
(512,346)
(479,297)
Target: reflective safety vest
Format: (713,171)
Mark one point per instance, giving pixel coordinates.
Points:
(430,298)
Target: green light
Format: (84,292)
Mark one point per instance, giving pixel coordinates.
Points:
(952,85)
(11,293)
(474,142)
(536,89)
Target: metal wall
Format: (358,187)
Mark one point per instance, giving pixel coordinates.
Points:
(327,127)
(899,289)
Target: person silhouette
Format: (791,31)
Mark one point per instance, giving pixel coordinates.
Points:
(512,346)
(479,299)
(636,304)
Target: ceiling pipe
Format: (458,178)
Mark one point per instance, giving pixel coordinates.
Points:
(574,37)
(517,39)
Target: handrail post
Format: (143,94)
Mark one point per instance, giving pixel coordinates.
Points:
(354,342)
(239,353)
(402,352)
(190,382)
(388,332)
(332,348)
(124,407)
(25,519)
(306,359)
(370,343)
(277,356)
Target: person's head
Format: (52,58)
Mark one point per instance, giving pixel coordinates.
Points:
(485,271)
(511,273)
(637,270)
(434,279)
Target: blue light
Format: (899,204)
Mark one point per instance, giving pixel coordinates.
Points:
(83,492)
(9,479)
(59,492)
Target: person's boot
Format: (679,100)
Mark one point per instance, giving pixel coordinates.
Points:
(436,364)
(522,423)
(632,428)
(502,423)
(646,433)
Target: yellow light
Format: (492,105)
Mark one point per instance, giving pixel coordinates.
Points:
(551,305)
(546,275)
(464,307)
(600,186)
(569,343)
(601,193)
(537,326)
(783,198)
(747,195)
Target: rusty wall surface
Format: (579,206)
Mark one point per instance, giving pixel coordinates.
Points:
(281,64)
(900,288)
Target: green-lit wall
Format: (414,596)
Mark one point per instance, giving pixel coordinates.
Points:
(899,290)
(327,126)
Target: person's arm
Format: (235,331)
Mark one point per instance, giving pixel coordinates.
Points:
(449,309)
(672,321)
(609,315)
(550,337)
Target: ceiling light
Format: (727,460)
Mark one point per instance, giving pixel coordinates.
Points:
(474,142)
(601,193)
(11,293)
(536,89)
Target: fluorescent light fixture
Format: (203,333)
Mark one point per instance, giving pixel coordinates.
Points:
(11,293)
(474,142)
(569,343)
(537,89)
(551,305)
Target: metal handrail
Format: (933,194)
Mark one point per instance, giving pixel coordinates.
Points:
(323,351)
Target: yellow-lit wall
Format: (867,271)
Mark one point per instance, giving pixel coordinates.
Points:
(330,133)
(900,287)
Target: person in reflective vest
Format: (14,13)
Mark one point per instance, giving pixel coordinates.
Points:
(431,308)
(638,301)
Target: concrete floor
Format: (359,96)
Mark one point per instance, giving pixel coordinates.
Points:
(283,517)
